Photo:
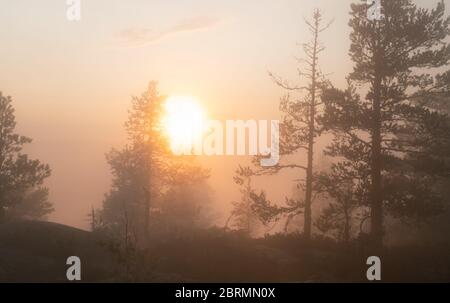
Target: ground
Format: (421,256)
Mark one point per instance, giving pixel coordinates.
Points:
(37,252)
(33,251)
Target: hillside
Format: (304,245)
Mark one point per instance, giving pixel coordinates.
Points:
(33,251)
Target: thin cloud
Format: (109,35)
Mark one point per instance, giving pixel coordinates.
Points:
(142,36)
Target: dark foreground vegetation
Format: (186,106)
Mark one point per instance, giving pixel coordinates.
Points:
(37,252)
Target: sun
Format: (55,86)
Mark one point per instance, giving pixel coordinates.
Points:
(183,122)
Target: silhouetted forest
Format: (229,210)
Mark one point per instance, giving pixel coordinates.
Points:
(380,186)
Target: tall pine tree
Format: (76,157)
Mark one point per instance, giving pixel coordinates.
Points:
(399,60)
(300,129)
(145,169)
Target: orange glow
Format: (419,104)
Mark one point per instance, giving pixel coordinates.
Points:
(183,121)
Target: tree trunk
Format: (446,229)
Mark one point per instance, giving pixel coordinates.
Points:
(309,179)
(248,210)
(146,215)
(376,190)
(311,135)
(147,198)
(346,226)
(308,194)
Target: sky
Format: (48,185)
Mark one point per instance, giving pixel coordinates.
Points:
(72,82)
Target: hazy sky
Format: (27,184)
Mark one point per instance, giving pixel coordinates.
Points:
(72,81)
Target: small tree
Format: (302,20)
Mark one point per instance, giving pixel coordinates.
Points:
(145,169)
(243,217)
(339,214)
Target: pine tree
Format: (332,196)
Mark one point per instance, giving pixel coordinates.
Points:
(300,127)
(146,168)
(380,135)
(21,178)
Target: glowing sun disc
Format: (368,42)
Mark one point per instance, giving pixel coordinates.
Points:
(183,121)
